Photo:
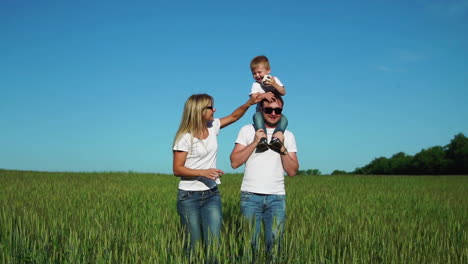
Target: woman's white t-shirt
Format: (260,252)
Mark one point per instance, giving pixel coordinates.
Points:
(201,155)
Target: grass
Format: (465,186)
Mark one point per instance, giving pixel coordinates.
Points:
(132,218)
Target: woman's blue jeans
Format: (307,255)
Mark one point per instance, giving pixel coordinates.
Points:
(269,210)
(200,216)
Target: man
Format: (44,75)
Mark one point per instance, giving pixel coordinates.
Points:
(263,196)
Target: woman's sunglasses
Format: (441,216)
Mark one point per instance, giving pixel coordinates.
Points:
(269,110)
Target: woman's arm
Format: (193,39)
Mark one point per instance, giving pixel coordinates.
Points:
(240,111)
(179,169)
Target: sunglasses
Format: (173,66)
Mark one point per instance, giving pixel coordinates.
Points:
(269,110)
(209,107)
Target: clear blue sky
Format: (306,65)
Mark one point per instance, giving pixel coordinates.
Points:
(100,85)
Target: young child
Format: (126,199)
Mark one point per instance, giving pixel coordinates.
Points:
(266,85)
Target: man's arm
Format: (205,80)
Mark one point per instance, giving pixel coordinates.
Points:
(241,153)
(290,163)
(288,159)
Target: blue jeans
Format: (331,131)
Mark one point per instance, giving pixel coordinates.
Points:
(269,210)
(200,216)
(259,123)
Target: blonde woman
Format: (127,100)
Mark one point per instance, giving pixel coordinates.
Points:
(194,161)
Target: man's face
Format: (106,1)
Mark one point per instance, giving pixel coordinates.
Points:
(272,117)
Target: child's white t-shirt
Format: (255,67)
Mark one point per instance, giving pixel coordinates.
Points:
(260,88)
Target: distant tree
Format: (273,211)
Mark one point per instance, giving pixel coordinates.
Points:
(457,152)
(309,172)
(314,172)
(451,159)
(431,161)
(400,163)
(379,165)
(339,172)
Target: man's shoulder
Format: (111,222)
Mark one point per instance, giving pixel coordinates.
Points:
(288,133)
(247,128)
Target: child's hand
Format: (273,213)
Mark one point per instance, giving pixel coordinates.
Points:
(269,81)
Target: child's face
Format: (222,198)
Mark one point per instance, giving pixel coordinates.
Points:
(259,72)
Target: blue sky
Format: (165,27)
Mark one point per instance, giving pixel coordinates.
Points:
(100,85)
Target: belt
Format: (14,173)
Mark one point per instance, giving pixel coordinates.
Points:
(214,189)
(261,194)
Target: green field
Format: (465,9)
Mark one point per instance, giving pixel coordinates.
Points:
(131,218)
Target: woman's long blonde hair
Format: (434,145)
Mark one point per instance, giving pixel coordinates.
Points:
(192,118)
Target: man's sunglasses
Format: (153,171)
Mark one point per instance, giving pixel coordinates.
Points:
(269,110)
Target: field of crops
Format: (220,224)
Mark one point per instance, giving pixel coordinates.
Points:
(131,218)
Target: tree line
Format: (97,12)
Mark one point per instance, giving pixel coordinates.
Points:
(451,159)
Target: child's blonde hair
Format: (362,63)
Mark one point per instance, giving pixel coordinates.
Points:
(260,61)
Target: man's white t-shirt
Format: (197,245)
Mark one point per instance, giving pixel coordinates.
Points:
(201,155)
(264,171)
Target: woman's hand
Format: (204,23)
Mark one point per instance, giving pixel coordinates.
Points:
(255,98)
(212,173)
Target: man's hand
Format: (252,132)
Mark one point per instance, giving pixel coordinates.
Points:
(258,135)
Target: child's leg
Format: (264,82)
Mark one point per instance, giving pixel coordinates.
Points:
(258,121)
(275,143)
(281,126)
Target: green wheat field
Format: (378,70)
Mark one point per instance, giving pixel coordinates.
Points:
(131,218)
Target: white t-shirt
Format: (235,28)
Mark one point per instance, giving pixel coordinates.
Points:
(260,88)
(264,171)
(201,155)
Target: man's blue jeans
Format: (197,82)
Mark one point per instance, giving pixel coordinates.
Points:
(269,210)
(200,216)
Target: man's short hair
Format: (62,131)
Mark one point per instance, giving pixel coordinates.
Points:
(277,96)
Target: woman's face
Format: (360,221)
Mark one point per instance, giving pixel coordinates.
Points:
(208,112)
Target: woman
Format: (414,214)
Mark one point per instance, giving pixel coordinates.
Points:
(195,151)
